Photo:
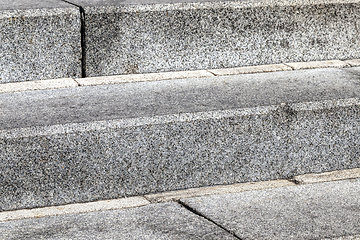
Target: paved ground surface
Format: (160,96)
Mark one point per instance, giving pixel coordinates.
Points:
(329,210)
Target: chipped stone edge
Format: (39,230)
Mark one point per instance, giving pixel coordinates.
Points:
(147,77)
(327,176)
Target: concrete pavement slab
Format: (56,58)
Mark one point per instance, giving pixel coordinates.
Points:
(315,211)
(168,221)
(39,40)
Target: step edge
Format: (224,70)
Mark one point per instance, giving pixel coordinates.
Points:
(139,201)
(52,84)
(178,118)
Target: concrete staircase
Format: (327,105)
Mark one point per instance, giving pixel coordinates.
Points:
(109,137)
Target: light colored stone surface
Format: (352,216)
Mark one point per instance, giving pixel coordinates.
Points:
(318,64)
(39,40)
(37,85)
(74,208)
(194,192)
(165,221)
(312,211)
(353,237)
(353,62)
(142,77)
(125,37)
(251,69)
(328,176)
(157,98)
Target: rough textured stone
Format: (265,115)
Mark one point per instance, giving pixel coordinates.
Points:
(160,222)
(149,99)
(125,37)
(39,40)
(316,211)
(92,143)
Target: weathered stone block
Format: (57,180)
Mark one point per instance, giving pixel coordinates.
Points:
(39,40)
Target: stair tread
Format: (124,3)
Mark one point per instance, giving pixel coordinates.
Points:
(150,99)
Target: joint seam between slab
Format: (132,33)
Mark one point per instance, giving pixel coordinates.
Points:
(83,37)
(199,214)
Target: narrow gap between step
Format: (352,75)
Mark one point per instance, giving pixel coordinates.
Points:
(83,37)
(194,211)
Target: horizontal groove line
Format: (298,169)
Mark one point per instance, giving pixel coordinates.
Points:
(148,77)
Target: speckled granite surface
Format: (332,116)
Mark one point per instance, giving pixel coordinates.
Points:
(176,134)
(39,40)
(151,36)
(167,221)
(314,211)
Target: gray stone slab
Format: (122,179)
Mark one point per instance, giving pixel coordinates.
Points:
(39,40)
(147,147)
(151,36)
(150,99)
(32,4)
(317,211)
(160,221)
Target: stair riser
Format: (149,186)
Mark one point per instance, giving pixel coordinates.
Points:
(47,43)
(86,162)
(39,44)
(138,39)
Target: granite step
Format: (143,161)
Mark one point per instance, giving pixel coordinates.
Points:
(145,36)
(39,40)
(78,38)
(91,143)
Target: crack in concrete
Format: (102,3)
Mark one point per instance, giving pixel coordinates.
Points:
(194,211)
